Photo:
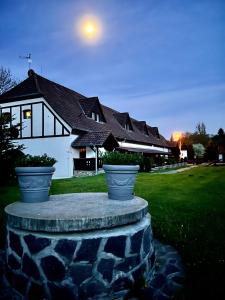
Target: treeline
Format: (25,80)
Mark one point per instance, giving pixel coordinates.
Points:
(202,146)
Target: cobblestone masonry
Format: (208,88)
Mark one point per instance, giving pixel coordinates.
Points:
(166,281)
(101,264)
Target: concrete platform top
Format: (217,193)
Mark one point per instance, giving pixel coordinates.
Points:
(75,212)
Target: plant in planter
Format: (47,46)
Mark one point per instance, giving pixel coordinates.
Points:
(121,170)
(34,176)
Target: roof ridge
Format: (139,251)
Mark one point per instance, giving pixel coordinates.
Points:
(60,85)
(36,82)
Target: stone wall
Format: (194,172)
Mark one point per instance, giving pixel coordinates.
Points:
(100,264)
(173,166)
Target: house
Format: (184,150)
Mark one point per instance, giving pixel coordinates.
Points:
(73,128)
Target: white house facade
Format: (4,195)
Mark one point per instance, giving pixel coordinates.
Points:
(73,128)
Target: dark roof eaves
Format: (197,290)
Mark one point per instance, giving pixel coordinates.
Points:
(21,98)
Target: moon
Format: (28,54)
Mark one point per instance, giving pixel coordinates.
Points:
(89,29)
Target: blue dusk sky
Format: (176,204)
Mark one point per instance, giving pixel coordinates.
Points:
(162,61)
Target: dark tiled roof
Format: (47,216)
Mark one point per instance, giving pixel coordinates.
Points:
(73,108)
(122,118)
(97,138)
(87,104)
(24,88)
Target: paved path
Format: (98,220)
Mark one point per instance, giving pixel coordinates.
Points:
(177,171)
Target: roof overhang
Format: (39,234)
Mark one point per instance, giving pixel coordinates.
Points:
(98,139)
(20,98)
(140,150)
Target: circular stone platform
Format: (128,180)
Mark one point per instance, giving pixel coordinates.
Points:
(78,246)
(75,212)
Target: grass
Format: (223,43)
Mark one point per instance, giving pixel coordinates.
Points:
(188,212)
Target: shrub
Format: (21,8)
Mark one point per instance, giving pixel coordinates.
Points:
(118,158)
(36,161)
(160,160)
(147,164)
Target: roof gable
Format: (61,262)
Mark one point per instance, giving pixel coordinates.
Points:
(92,105)
(124,120)
(24,89)
(142,126)
(101,139)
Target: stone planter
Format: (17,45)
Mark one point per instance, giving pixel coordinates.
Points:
(34,183)
(120,180)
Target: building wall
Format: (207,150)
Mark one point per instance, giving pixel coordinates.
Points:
(46,133)
(183,154)
(44,121)
(57,147)
(131,145)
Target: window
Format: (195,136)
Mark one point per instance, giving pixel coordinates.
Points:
(127,126)
(27,114)
(95,117)
(83,152)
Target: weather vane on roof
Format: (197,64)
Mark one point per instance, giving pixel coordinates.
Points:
(29,60)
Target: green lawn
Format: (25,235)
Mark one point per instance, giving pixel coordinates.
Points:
(188,212)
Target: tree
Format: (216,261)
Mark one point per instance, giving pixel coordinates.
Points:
(200,136)
(221,132)
(176,152)
(200,128)
(6,80)
(9,151)
(199,150)
(211,152)
(219,141)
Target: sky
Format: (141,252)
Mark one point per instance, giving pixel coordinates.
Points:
(162,61)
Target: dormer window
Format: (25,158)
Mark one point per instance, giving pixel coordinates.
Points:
(92,109)
(95,117)
(127,126)
(27,114)
(124,120)
(146,130)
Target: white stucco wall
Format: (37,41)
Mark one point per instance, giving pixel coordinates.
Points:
(183,154)
(57,147)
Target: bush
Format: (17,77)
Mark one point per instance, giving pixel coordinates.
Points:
(147,164)
(36,161)
(161,160)
(118,158)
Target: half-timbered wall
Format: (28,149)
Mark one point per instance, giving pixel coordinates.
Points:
(44,132)
(42,123)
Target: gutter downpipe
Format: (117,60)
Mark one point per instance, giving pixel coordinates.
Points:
(95,149)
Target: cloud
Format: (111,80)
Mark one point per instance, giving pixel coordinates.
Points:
(177,109)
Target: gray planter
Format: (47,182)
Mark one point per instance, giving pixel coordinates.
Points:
(120,180)
(34,183)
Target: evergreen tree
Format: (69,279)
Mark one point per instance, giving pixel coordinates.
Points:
(221,132)
(9,151)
